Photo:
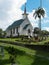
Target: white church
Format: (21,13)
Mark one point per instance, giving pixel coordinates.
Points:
(20,27)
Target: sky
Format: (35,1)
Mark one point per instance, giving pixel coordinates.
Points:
(11,10)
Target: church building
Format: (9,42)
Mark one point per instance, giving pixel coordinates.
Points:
(20,27)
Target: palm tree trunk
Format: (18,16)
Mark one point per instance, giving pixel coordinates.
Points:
(40,23)
(40,29)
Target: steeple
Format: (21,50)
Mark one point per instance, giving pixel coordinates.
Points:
(25,14)
(25,9)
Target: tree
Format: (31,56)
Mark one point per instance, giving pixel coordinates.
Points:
(36,33)
(45,33)
(36,30)
(39,13)
(1,31)
(3,34)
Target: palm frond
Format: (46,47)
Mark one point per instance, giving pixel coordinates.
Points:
(39,12)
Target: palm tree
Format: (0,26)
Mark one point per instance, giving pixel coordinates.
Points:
(38,14)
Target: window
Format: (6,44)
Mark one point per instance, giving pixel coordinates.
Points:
(17,30)
(13,30)
(28,30)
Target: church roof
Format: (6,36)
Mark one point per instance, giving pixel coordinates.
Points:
(16,24)
(25,27)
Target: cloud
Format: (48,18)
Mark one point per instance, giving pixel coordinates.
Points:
(10,10)
(33,21)
(45,21)
(46,28)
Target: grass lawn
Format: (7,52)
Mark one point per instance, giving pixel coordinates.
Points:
(25,56)
(9,39)
(25,41)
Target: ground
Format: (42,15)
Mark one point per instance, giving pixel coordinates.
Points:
(25,56)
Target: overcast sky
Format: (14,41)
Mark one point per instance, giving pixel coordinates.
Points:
(11,10)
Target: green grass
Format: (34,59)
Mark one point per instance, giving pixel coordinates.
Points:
(25,41)
(26,50)
(9,39)
(41,42)
(22,58)
(25,56)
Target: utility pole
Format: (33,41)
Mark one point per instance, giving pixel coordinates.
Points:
(40,3)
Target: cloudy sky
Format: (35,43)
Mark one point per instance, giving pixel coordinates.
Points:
(11,10)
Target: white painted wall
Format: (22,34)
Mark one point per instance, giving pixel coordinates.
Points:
(25,32)
(21,30)
(15,34)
